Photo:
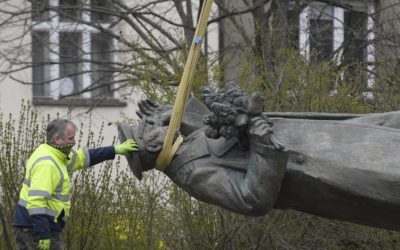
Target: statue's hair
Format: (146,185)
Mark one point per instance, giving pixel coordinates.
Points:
(225,105)
(57,127)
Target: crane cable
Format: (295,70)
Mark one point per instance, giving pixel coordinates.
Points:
(169,146)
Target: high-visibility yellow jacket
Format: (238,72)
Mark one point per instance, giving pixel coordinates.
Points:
(46,188)
(44,202)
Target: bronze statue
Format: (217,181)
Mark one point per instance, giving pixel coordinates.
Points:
(339,166)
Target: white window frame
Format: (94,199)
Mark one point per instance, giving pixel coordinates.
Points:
(54,26)
(338,37)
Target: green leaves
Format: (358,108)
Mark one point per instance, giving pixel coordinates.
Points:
(112,210)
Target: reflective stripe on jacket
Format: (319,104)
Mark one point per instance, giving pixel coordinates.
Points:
(46,188)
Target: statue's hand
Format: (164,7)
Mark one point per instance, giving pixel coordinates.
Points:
(260,131)
(154,113)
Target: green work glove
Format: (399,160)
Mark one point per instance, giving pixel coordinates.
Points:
(127,147)
(44,244)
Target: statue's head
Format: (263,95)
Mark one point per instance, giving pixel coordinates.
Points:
(150,137)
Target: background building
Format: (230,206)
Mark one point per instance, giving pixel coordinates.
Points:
(88,59)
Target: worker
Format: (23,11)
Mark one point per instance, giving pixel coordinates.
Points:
(44,201)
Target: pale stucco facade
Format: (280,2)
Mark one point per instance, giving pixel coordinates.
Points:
(13,91)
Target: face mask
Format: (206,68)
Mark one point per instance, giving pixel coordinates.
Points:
(66,149)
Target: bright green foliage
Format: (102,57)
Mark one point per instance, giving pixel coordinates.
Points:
(112,210)
(387,87)
(18,139)
(293,84)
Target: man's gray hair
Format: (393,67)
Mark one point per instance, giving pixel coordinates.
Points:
(57,127)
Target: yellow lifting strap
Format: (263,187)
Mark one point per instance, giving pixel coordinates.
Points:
(170,147)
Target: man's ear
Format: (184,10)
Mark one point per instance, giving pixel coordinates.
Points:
(56,140)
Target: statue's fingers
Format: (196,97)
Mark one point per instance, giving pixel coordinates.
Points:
(267,119)
(144,108)
(151,120)
(141,105)
(266,132)
(150,106)
(152,103)
(138,113)
(257,121)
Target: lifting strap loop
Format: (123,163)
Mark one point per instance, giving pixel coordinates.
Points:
(169,147)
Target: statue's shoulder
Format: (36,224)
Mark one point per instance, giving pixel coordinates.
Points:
(198,145)
(193,147)
(199,142)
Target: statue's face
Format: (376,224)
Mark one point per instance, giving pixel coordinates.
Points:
(149,133)
(153,138)
(150,138)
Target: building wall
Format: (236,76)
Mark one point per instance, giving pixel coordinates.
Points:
(12,92)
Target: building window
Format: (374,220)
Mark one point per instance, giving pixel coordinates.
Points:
(320,31)
(332,33)
(72,59)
